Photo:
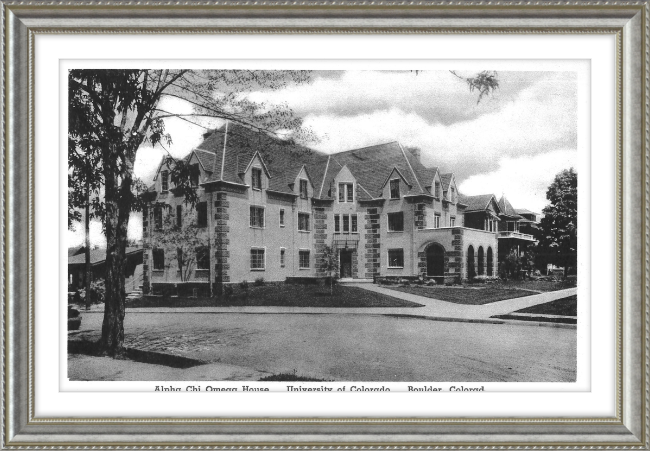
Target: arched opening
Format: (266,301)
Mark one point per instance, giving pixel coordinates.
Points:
(471,271)
(481,262)
(490,262)
(435,260)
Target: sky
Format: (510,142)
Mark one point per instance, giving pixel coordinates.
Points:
(512,142)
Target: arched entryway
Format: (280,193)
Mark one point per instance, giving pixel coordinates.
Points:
(471,270)
(490,262)
(435,260)
(481,261)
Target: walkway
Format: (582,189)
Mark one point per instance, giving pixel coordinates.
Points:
(433,308)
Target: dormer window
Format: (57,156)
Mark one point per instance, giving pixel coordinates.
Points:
(257,178)
(394,189)
(195,174)
(436,191)
(346,192)
(164,181)
(303,189)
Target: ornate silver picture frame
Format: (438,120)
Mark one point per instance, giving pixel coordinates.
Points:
(626,21)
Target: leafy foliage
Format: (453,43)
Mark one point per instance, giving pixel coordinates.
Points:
(485,82)
(558,228)
(181,245)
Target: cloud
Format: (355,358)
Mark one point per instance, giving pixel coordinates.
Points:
(524,180)
(539,119)
(436,96)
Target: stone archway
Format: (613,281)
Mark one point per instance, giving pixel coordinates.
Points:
(435,255)
(490,262)
(471,270)
(481,261)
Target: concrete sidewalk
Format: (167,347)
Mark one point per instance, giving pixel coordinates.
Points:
(432,308)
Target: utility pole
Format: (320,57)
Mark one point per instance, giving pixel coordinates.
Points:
(87,226)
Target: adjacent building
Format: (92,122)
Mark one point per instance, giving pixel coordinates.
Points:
(274,210)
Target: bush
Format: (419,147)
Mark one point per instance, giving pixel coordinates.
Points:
(228,290)
(259,281)
(244,285)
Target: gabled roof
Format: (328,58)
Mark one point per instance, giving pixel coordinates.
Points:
(477,203)
(283,160)
(523,211)
(206,158)
(446,180)
(507,209)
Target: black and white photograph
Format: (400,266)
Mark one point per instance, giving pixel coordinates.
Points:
(417,227)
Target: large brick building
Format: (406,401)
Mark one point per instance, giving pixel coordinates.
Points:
(269,208)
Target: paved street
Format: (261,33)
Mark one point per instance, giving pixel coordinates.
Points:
(356,347)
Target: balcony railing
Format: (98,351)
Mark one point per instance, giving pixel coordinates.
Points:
(520,236)
(346,240)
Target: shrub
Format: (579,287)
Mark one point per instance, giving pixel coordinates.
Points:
(228,290)
(431,282)
(244,285)
(259,281)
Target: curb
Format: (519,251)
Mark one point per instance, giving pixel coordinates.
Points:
(393,315)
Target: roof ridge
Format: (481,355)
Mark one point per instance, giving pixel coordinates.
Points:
(410,167)
(366,147)
(322,185)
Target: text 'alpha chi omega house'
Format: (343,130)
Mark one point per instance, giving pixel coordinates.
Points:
(269,209)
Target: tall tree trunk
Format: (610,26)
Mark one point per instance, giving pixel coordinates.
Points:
(87,251)
(118,207)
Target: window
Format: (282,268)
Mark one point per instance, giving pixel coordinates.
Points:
(337,223)
(303,259)
(179,216)
(195,173)
(281,217)
(202,257)
(394,189)
(303,189)
(164,180)
(395,258)
(396,222)
(257,216)
(282,250)
(157,217)
(452,221)
(303,222)
(436,193)
(257,178)
(346,192)
(436,221)
(202,214)
(257,259)
(179,258)
(158,260)
(346,223)
(353,220)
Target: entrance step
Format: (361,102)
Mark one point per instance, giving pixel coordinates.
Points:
(351,280)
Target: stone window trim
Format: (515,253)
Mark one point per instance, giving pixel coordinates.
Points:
(394,189)
(164,181)
(395,258)
(304,257)
(436,220)
(395,225)
(304,193)
(452,221)
(258,259)
(346,192)
(257,217)
(304,222)
(256,179)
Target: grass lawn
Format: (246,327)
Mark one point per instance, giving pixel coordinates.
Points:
(538,285)
(468,296)
(284,295)
(566,307)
